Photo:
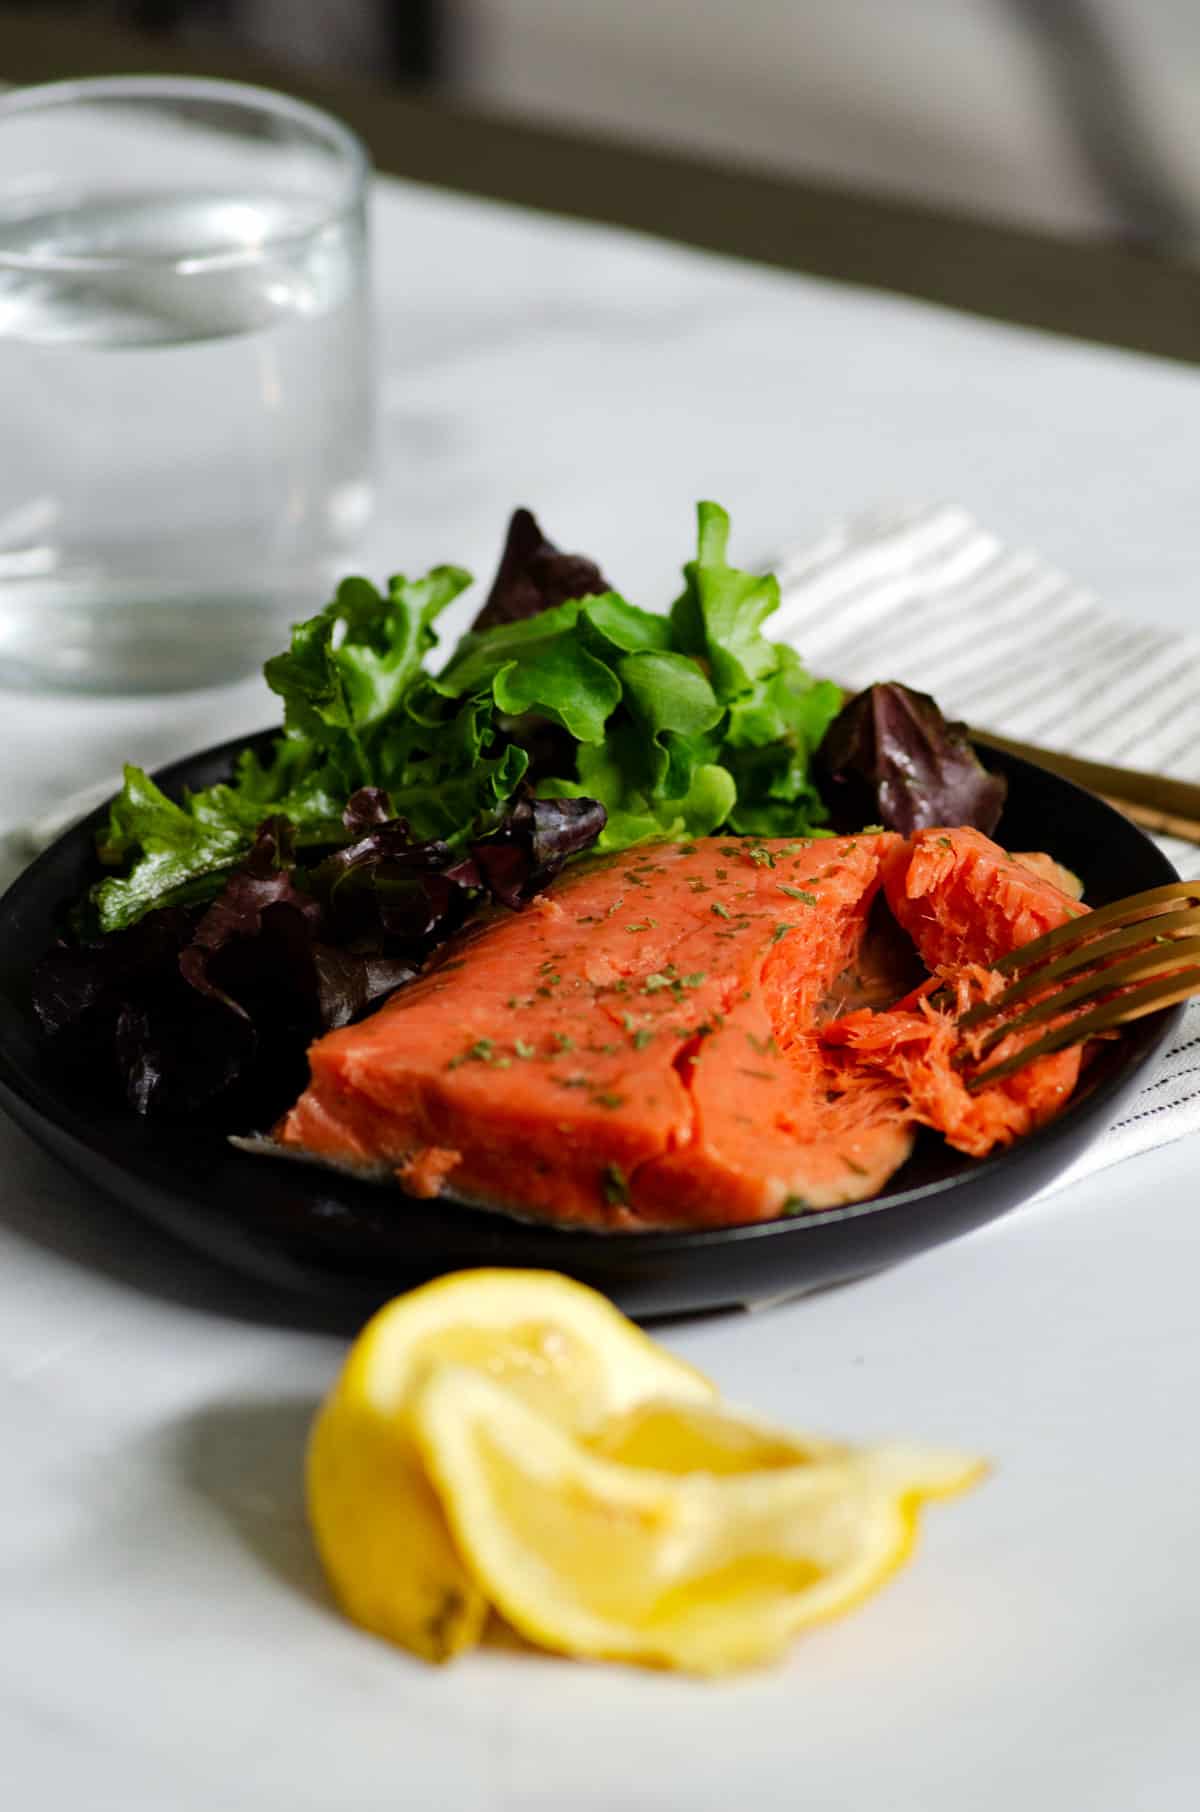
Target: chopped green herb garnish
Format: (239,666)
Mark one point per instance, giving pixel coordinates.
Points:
(614,1185)
(564,1041)
(482,1051)
(610,1101)
(642,1037)
(797,893)
(522,1049)
(781,931)
(722,912)
(795,1204)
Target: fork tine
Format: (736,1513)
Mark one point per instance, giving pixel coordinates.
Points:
(1118,1011)
(1081,956)
(1097,984)
(1085,924)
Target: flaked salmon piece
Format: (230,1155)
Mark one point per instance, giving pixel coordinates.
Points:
(962,899)
(640,1051)
(965,903)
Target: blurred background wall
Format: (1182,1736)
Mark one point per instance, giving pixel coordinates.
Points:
(1079,116)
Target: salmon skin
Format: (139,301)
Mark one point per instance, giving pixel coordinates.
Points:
(644,1048)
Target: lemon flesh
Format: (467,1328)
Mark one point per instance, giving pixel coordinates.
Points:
(702,1568)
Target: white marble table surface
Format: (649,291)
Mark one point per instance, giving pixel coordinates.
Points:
(165,1639)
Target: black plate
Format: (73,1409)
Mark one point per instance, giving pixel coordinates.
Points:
(357,1243)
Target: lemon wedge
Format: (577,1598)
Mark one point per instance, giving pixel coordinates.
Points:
(704,1568)
(547,1344)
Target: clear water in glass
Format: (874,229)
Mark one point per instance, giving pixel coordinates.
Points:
(185,368)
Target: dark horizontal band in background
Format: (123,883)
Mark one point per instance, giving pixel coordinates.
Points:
(1093,289)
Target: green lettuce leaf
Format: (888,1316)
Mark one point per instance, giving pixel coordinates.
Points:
(612,624)
(721,611)
(349,667)
(562,682)
(481,653)
(175,849)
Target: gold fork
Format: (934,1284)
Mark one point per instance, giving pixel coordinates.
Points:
(1162,929)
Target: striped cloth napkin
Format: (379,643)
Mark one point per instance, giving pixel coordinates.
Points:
(1006,642)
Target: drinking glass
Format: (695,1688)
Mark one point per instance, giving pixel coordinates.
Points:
(185,368)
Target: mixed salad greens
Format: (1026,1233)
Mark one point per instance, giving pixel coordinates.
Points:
(677,725)
(237,923)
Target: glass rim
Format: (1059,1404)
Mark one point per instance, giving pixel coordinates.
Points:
(246,96)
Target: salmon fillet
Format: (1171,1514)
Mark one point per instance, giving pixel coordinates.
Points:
(646,1047)
(640,1049)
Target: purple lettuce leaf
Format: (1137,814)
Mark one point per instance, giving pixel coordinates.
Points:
(421,891)
(536,837)
(260,901)
(81,987)
(175,1054)
(891,758)
(534,575)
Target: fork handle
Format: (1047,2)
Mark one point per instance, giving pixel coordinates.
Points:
(1163,824)
(1158,803)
